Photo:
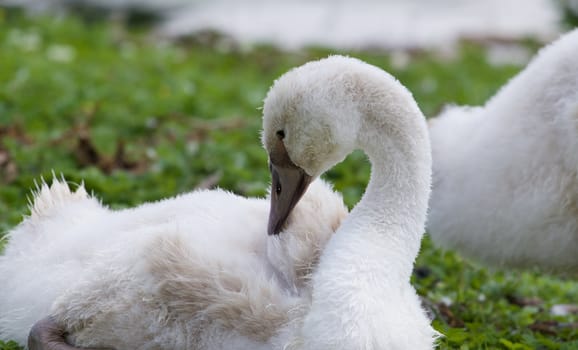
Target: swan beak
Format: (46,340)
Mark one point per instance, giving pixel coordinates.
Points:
(289,183)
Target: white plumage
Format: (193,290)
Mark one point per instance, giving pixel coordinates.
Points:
(506,174)
(156,275)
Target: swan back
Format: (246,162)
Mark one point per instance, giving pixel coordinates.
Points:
(196,271)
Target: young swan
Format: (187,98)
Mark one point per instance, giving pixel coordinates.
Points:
(314,116)
(197,271)
(506,174)
(358,296)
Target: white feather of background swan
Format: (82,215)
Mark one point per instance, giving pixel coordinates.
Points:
(506,174)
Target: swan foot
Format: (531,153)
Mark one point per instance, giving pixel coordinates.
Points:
(47,334)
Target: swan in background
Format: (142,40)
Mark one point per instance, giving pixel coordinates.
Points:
(231,289)
(505,189)
(133,278)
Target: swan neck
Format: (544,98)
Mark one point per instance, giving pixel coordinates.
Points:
(393,209)
(394,205)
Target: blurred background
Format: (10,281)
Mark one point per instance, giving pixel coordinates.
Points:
(144,99)
(348,24)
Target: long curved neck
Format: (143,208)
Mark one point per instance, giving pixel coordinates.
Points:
(384,230)
(389,219)
(387,224)
(391,214)
(542,87)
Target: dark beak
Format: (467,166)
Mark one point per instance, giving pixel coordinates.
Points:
(289,183)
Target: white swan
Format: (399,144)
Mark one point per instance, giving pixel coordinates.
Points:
(167,293)
(103,273)
(506,174)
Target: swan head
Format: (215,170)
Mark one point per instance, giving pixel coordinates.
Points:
(310,123)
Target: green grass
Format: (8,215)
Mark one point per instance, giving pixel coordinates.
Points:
(138,119)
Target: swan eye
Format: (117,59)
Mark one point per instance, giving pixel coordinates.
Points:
(278,189)
(281,134)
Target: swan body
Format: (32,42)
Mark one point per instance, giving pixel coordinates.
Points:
(314,116)
(506,174)
(151,277)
